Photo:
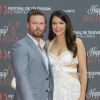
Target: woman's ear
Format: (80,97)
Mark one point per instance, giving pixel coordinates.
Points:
(66,25)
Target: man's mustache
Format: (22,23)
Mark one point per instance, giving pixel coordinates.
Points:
(37,29)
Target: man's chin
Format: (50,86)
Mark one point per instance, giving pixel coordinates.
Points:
(37,36)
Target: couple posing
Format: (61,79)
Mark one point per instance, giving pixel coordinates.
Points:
(48,70)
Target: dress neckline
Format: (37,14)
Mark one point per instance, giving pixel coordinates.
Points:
(60,55)
(50,45)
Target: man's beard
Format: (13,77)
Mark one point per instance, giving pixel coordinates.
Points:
(36,35)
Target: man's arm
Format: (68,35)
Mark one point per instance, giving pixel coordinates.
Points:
(20,65)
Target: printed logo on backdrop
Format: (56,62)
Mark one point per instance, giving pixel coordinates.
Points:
(93,94)
(4,9)
(8,33)
(69,10)
(93,74)
(6,75)
(24,10)
(5,81)
(93,14)
(5,55)
(4,96)
(93,55)
(87,33)
(3,74)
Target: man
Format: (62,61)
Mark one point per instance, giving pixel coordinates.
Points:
(30,63)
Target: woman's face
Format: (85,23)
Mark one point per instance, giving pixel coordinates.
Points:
(58,26)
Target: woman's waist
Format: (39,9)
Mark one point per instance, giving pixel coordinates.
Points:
(64,69)
(62,74)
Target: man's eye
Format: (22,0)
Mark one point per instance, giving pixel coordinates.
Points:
(34,23)
(41,23)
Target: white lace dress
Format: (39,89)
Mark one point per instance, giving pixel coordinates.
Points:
(66,87)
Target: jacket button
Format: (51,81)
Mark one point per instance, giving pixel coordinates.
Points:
(46,90)
(47,79)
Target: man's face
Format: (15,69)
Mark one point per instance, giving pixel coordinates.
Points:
(36,26)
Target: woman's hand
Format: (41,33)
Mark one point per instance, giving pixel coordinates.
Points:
(82,98)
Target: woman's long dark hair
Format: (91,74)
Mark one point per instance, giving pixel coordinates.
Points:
(70,37)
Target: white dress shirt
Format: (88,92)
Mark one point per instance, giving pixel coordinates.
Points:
(40,46)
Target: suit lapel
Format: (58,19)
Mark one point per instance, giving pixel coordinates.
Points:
(31,43)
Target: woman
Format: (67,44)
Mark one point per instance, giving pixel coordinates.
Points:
(66,52)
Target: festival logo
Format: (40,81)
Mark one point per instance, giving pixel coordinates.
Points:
(94,10)
(93,74)
(3,31)
(93,94)
(87,33)
(6,76)
(8,33)
(24,10)
(69,10)
(93,55)
(5,9)
(3,74)
(93,14)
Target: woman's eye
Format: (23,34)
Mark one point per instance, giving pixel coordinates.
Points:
(61,23)
(53,23)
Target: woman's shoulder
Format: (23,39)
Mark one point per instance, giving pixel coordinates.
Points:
(79,41)
(80,44)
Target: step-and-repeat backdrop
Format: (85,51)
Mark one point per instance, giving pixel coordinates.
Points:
(85,17)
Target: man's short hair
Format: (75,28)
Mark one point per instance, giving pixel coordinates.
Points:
(35,12)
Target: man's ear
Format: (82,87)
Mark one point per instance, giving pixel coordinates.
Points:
(45,27)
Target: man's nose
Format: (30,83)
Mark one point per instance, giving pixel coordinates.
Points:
(38,25)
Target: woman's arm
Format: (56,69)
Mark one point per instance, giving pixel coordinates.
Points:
(82,67)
